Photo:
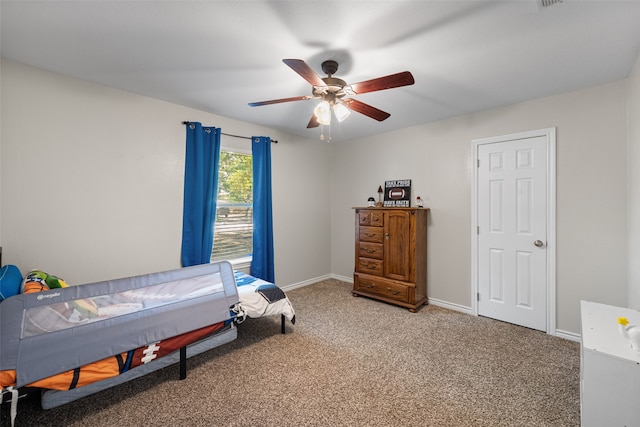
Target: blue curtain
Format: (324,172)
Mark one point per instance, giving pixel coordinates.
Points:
(262,260)
(202,162)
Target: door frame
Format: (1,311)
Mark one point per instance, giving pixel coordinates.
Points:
(550,135)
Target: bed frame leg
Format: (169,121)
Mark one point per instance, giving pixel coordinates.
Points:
(183,363)
(282,323)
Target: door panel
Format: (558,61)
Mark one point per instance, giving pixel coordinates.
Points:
(496,275)
(398,241)
(524,285)
(512,215)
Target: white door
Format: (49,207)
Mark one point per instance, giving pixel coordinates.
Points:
(512,231)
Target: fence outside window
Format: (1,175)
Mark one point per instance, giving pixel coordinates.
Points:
(233,231)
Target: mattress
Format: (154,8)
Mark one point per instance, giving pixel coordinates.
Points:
(260,298)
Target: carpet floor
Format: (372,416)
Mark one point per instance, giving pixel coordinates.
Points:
(350,362)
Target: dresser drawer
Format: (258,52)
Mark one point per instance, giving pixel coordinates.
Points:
(370,266)
(373,218)
(371,250)
(364,218)
(371,234)
(394,291)
(376,218)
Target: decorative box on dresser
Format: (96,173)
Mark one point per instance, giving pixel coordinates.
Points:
(391,255)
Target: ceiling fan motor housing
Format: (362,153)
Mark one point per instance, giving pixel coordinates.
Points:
(334,88)
(329,67)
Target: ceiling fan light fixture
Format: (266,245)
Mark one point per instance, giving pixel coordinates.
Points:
(341,111)
(323,113)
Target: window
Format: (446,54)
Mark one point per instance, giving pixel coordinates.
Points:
(233,231)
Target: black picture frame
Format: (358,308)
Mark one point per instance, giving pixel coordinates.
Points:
(397,193)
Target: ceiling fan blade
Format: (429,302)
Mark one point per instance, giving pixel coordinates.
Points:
(307,73)
(313,123)
(278,101)
(404,78)
(366,109)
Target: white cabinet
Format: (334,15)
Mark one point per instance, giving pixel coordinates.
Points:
(609,368)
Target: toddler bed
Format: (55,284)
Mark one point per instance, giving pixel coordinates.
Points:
(85,333)
(46,336)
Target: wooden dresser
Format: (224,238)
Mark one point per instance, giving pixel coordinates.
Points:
(391,255)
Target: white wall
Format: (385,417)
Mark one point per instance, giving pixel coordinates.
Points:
(91,186)
(1,155)
(633,190)
(591,192)
(92,182)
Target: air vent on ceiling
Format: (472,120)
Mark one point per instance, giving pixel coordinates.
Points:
(547,3)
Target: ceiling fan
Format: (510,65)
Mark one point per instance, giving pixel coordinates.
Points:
(334,91)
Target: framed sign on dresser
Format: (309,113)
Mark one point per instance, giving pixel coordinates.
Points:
(391,255)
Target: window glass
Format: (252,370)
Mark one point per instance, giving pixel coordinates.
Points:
(233,231)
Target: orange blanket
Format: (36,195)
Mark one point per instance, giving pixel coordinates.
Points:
(114,365)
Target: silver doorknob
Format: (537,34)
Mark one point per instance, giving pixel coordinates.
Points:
(538,243)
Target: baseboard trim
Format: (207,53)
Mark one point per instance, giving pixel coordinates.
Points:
(450,306)
(342,278)
(571,336)
(305,282)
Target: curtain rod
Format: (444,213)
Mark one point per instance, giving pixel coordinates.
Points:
(234,136)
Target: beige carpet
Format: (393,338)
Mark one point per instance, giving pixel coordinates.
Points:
(350,362)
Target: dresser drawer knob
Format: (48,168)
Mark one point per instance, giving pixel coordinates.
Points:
(392,292)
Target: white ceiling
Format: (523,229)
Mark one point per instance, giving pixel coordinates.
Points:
(217,56)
